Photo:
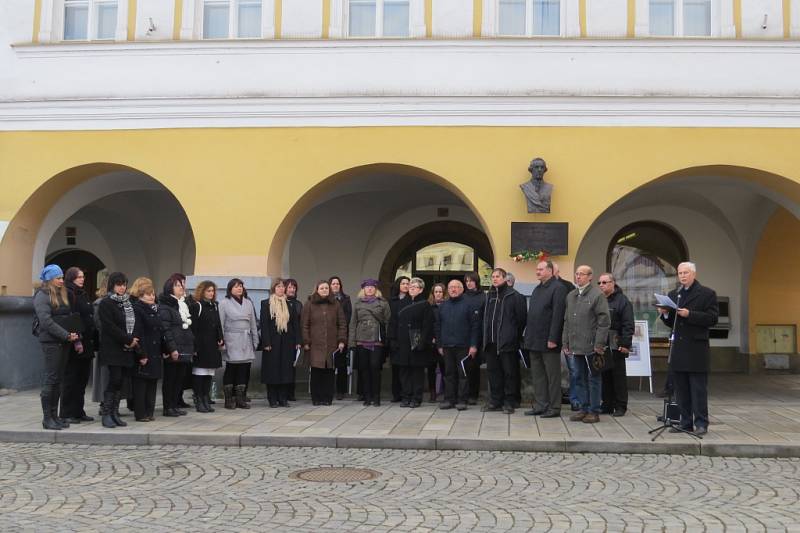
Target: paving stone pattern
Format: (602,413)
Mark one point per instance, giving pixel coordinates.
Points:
(58,487)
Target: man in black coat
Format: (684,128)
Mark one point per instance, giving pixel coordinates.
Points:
(620,339)
(689,359)
(457,330)
(504,318)
(543,341)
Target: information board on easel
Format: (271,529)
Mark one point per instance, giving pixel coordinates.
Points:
(638,361)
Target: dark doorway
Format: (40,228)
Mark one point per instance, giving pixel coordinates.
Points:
(86,261)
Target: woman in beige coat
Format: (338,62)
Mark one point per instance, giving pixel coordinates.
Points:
(324,335)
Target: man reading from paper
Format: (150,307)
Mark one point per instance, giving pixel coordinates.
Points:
(689,362)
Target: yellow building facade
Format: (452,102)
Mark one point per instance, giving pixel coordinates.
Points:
(307,151)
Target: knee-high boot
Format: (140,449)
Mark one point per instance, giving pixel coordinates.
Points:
(115,409)
(207,393)
(48,422)
(230,403)
(107,410)
(199,399)
(55,396)
(241,403)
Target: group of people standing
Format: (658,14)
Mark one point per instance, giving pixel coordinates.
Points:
(182,339)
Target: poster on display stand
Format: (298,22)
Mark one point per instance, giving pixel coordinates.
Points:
(638,361)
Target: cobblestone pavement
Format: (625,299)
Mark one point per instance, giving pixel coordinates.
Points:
(178,488)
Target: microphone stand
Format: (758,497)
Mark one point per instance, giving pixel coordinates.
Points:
(667,422)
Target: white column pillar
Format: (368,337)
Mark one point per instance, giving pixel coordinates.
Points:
(489,18)
(268,19)
(122,21)
(416,18)
(188,22)
(46,23)
(572,18)
(641,27)
(727,27)
(336,28)
(794,20)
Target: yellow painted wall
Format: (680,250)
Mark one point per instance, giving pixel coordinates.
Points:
(590,168)
(774,297)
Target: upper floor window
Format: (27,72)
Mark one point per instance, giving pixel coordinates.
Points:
(378,18)
(528,17)
(89,19)
(223,19)
(680,18)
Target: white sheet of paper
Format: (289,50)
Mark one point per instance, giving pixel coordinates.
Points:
(522,358)
(463,368)
(662,300)
(296,356)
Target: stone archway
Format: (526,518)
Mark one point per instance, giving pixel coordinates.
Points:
(125,217)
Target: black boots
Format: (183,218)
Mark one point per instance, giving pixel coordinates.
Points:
(107,410)
(48,422)
(202,394)
(241,402)
(55,396)
(230,403)
(115,413)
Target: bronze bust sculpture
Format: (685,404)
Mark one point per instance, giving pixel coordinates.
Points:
(537,192)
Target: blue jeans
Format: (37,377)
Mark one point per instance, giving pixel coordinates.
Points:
(573,381)
(588,388)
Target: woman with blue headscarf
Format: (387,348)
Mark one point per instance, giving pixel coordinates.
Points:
(51,304)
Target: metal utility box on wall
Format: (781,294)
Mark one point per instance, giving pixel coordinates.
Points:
(776,342)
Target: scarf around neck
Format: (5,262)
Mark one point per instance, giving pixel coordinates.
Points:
(124,301)
(183,310)
(279,312)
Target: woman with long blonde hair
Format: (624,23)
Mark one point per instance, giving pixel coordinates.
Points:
(280,340)
(55,331)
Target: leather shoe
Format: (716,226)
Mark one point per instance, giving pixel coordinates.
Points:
(619,412)
(491,408)
(535,412)
(700,431)
(591,418)
(577,417)
(446,405)
(404,403)
(550,413)
(508,409)
(461,407)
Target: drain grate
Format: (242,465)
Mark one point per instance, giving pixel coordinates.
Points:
(335,474)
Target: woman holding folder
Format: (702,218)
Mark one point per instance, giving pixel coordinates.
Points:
(324,336)
(280,340)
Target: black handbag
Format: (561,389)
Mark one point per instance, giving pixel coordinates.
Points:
(185,358)
(599,363)
(415,339)
(71,322)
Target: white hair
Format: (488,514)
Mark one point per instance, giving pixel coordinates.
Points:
(691,266)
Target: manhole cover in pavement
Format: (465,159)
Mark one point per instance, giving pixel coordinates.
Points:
(335,474)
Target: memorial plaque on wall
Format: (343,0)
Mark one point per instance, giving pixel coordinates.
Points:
(549,236)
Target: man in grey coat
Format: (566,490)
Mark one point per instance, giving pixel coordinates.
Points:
(543,340)
(585,335)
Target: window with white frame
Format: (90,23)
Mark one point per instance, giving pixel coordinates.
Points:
(528,17)
(680,18)
(223,19)
(86,20)
(378,18)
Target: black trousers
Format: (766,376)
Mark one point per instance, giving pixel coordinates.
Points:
(456,383)
(503,371)
(691,391)
(370,365)
(615,384)
(397,388)
(55,362)
(412,379)
(322,384)
(236,374)
(340,360)
(474,376)
(290,391)
(144,397)
(116,377)
(73,388)
(278,394)
(172,384)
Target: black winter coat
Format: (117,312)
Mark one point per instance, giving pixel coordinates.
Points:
(504,319)
(152,339)
(457,324)
(178,336)
(546,316)
(395,305)
(207,331)
(416,314)
(277,364)
(477,300)
(622,327)
(79,303)
(690,349)
(114,335)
